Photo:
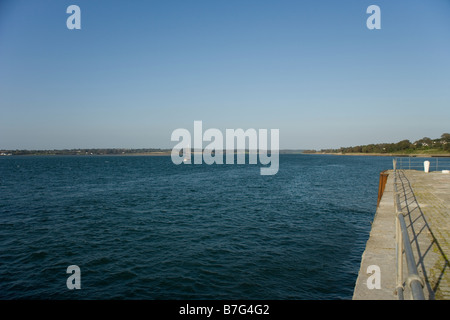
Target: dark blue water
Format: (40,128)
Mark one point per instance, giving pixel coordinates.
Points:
(144,228)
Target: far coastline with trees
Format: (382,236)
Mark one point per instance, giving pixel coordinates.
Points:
(422,147)
(425,146)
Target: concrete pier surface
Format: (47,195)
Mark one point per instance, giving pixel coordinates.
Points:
(425,202)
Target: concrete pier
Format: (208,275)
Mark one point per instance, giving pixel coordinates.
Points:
(425,201)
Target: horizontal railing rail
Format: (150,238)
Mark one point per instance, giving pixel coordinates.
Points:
(417,163)
(403,245)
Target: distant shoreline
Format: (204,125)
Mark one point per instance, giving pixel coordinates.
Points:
(169,152)
(152,154)
(93,152)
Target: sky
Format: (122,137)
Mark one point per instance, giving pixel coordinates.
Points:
(138,70)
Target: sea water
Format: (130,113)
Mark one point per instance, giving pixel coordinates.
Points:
(140,227)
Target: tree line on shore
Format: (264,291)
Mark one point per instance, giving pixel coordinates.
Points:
(424,145)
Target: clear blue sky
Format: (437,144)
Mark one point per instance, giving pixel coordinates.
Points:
(137,70)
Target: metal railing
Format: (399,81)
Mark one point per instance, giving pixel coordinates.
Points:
(417,163)
(403,245)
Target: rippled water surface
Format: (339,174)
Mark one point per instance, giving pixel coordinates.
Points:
(144,228)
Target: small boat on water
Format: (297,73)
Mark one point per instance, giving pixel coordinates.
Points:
(187,154)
